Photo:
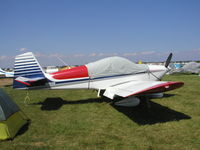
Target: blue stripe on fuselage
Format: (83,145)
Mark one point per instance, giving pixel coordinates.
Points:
(77,80)
(97,78)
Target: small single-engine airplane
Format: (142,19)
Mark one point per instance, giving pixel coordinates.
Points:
(112,77)
(6,73)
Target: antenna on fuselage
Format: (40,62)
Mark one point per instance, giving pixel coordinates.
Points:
(62,61)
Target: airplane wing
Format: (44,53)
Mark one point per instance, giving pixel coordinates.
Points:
(137,88)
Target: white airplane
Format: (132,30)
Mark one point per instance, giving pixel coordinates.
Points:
(113,77)
(6,73)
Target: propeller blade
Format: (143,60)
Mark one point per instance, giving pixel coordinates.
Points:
(168,60)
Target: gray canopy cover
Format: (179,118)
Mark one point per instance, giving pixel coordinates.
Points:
(114,66)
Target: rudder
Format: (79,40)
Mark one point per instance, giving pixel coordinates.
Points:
(26,70)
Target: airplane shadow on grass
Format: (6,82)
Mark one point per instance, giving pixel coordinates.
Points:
(139,114)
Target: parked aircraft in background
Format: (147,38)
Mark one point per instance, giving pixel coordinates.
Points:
(112,77)
(6,73)
(191,67)
(51,69)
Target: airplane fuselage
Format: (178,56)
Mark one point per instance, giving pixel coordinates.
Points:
(116,76)
(78,78)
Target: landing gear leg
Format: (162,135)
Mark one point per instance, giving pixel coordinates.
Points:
(147,102)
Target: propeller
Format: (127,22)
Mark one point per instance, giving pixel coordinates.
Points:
(167,62)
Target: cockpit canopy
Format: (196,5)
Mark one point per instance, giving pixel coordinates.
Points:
(114,66)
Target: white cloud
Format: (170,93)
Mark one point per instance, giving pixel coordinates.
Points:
(93,54)
(78,55)
(129,54)
(82,58)
(23,49)
(147,52)
(3,57)
(56,55)
(38,54)
(101,54)
(113,54)
(197,50)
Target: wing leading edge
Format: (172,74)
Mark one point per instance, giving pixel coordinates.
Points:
(138,88)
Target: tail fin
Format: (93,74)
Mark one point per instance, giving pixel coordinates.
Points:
(2,71)
(27,71)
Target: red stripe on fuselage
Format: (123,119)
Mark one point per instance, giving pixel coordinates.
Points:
(77,72)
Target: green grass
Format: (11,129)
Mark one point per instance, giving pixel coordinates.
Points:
(77,119)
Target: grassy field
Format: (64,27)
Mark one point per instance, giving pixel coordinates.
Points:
(77,119)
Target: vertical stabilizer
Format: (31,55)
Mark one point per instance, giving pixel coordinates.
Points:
(2,71)
(27,70)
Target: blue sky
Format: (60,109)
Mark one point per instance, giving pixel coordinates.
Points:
(80,31)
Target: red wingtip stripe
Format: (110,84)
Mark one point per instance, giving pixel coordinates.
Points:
(160,88)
